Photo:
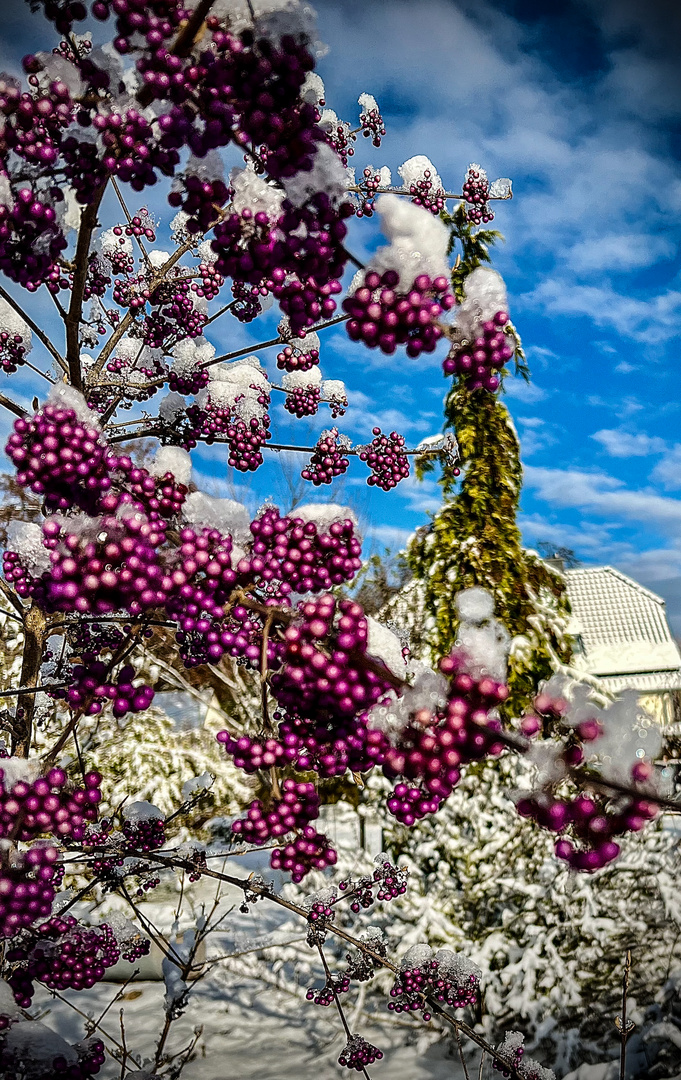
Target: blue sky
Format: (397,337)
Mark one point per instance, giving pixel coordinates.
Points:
(579,102)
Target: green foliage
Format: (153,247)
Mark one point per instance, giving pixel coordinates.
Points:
(474,243)
(474,541)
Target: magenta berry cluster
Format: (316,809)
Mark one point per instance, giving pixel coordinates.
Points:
(302,556)
(386,458)
(298,805)
(90,1054)
(62,954)
(292,358)
(110,849)
(12,352)
(326,994)
(476,193)
(190,382)
(252,754)
(383,317)
(387,882)
(369,184)
(586,822)
(328,459)
(478,363)
(372,126)
(114,568)
(27,886)
(92,687)
(358,1053)
(302,401)
(438,977)
(425,194)
(309,850)
(60,457)
(435,745)
(309,680)
(31,807)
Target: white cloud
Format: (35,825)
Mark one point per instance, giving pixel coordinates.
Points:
(524,391)
(606,496)
(618,252)
(391,536)
(652,320)
(535,435)
(668,470)
(619,443)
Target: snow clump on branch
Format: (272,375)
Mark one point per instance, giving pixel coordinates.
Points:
(418,242)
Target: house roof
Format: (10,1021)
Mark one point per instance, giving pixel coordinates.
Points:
(623,628)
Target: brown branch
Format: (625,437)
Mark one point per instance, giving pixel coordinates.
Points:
(623,1025)
(88,223)
(35,632)
(13,598)
(12,406)
(274,341)
(40,334)
(128,318)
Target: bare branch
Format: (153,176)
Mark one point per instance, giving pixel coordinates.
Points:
(12,406)
(40,334)
(88,222)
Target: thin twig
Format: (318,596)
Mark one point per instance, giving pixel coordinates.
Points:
(621,1023)
(138,239)
(463,1060)
(40,334)
(12,406)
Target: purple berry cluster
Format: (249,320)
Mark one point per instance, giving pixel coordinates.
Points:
(587,821)
(369,184)
(27,886)
(29,808)
(30,239)
(387,881)
(372,124)
(302,401)
(301,555)
(91,687)
(114,568)
(476,193)
(425,194)
(247,305)
(326,994)
(478,363)
(433,746)
(443,976)
(12,352)
(310,681)
(22,1041)
(298,805)
(189,383)
(61,954)
(328,459)
(60,457)
(292,358)
(111,848)
(358,1053)
(309,850)
(201,200)
(386,458)
(383,317)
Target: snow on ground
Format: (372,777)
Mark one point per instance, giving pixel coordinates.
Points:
(252,1029)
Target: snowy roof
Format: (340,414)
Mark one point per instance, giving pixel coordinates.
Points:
(623,629)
